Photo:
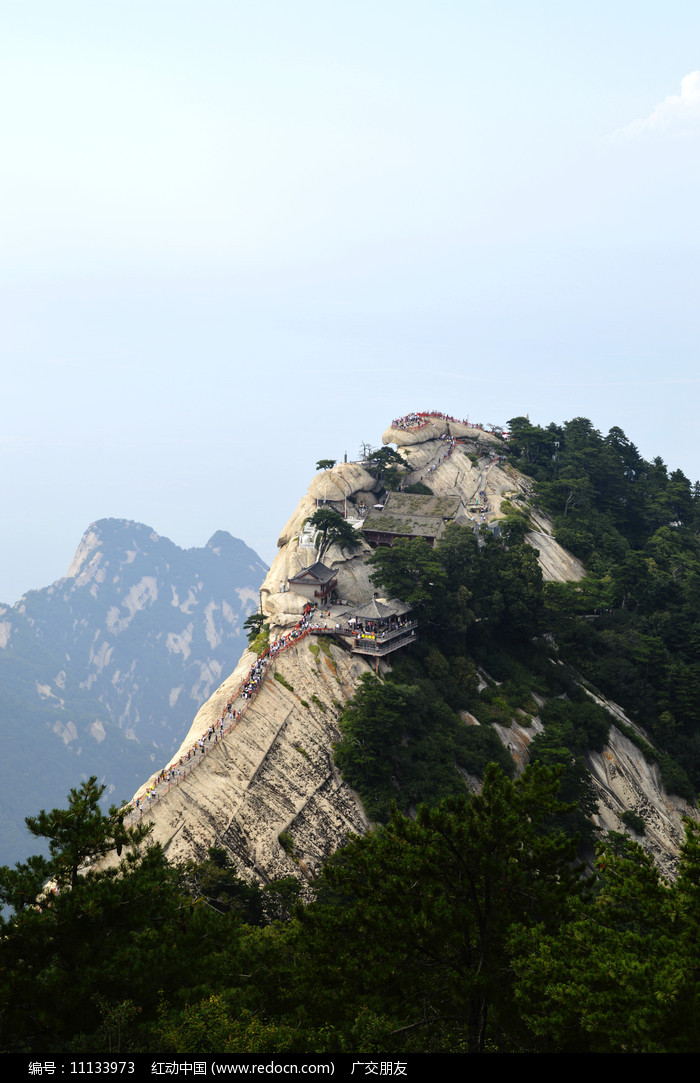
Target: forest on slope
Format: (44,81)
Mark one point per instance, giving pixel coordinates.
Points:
(636,527)
(491,629)
(469,928)
(462,922)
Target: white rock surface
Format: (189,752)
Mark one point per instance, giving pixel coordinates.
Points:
(273,773)
(624,780)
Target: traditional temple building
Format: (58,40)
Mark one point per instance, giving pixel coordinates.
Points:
(408,515)
(381,627)
(316,583)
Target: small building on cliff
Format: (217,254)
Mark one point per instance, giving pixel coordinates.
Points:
(381,627)
(409,515)
(317,583)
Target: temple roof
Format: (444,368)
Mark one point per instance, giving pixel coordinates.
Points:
(380,610)
(413,515)
(317,572)
(443,507)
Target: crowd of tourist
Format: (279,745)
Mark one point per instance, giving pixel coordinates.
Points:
(421,418)
(247,690)
(378,629)
(259,668)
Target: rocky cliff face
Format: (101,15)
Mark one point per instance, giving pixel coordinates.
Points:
(623,780)
(102,670)
(272,775)
(268,792)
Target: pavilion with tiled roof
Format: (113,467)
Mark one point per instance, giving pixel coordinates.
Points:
(317,582)
(381,627)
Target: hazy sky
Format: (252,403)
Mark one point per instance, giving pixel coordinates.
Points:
(240,237)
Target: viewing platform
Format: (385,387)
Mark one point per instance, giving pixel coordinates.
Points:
(383,643)
(377,628)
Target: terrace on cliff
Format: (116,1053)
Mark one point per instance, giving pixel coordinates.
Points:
(379,628)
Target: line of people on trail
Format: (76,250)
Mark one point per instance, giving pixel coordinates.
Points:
(259,668)
(176,772)
(247,689)
(453,441)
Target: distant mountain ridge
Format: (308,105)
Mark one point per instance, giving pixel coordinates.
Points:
(102,671)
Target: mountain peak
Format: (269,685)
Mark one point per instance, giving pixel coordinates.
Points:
(111,662)
(88,551)
(222,541)
(120,534)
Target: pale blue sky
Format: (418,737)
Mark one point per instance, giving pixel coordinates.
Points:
(236,238)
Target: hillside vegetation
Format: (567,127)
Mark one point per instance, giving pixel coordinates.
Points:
(469,928)
(498,641)
(489,920)
(632,626)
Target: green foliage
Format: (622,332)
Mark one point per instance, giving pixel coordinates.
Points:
(325,464)
(78,940)
(254,625)
(619,975)
(387,466)
(674,778)
(480,746)
(286,842)
(412,571)
(283,681)
(631,819)
(513,528)
(432,901)
(493,706)
(464,927)
(403,743)
(580,724)
(280,898)
(632,627)
(419,488)
(261,642)
(215,1026)
(332,529)
(81,834)
(114,1034)
(508,701)
(216,882)
(372,725)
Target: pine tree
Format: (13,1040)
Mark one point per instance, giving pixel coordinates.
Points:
(75,921)
(412,922)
